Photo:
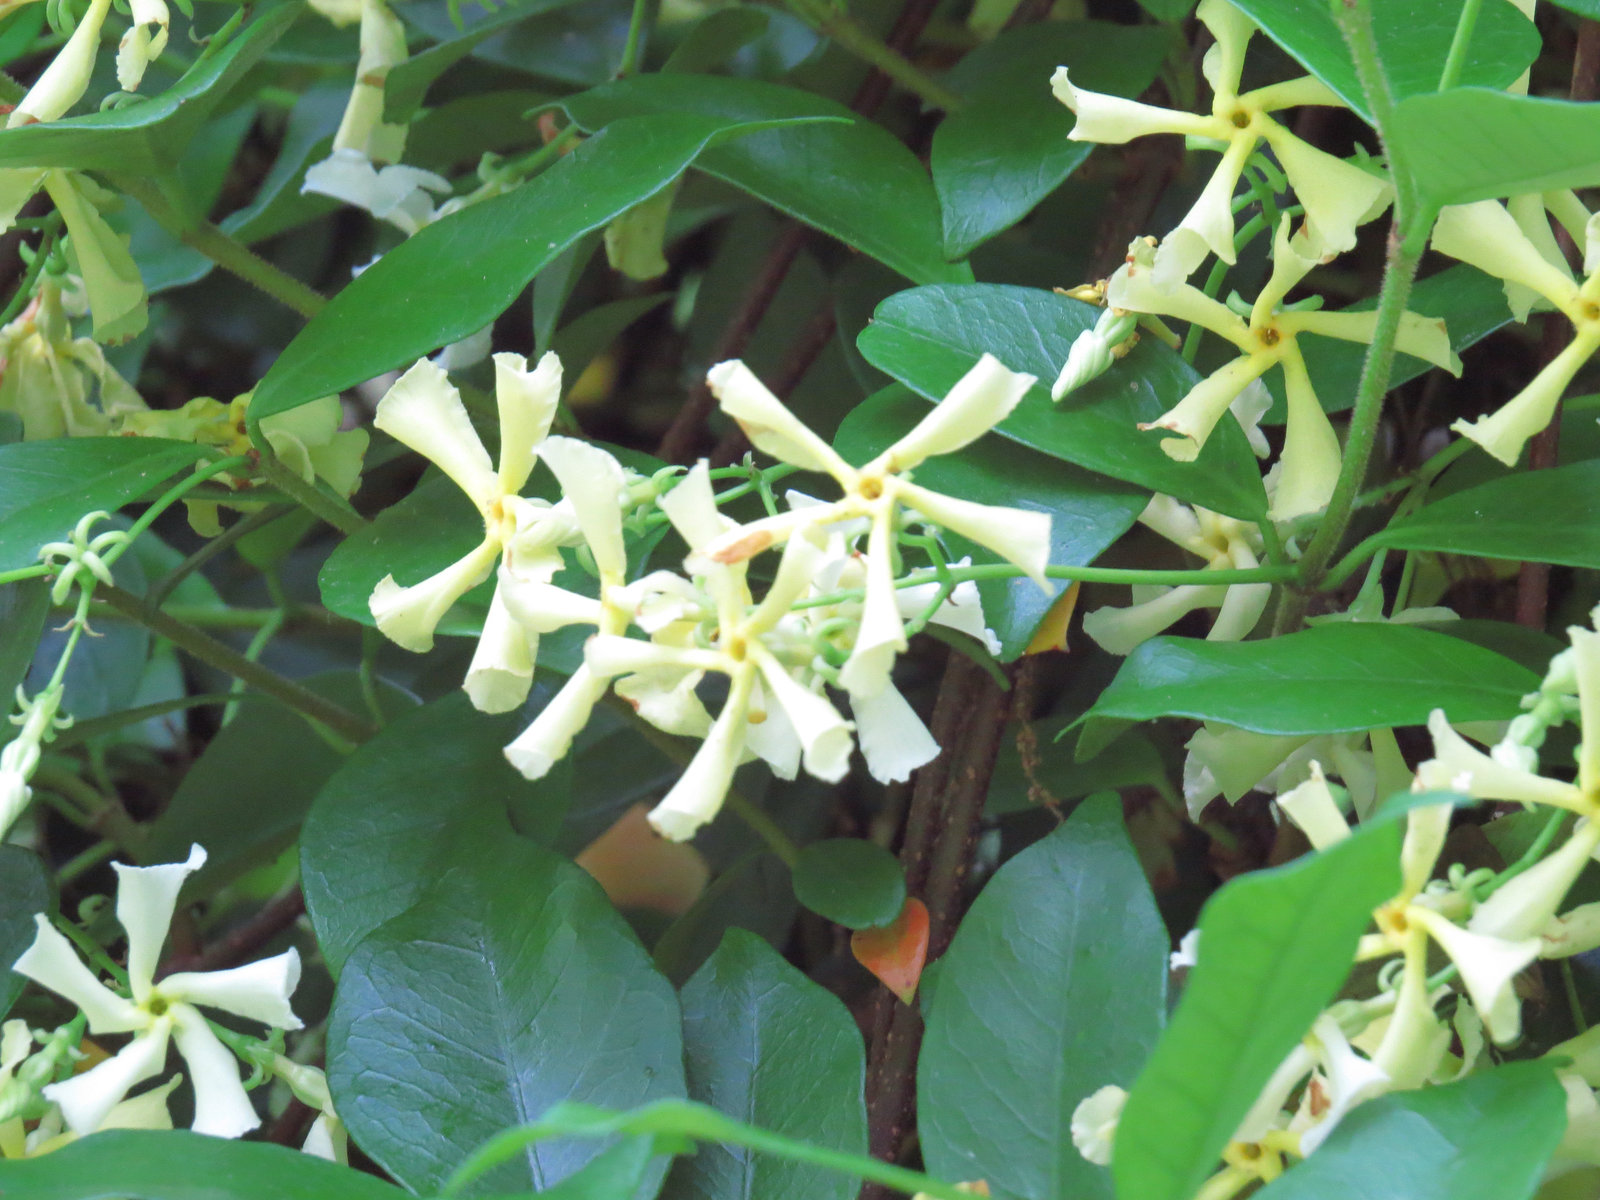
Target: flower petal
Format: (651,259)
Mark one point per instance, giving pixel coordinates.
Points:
(501,671)
(1311,806)
(527,401)
(1485,235)
(51,961)
(1208,225)
(824,734)
(221,1106)
(1586,666)
(1197,414)
(408,616)
(424,411)
(146,897)
(1338,195)
(545,742)
(86,1099)
(1019,536)
(1112,120)
(259,991)
(881,635)
(1527,903)
(1311,455)
(1456,765)
(769,424)
(64,81)
(1119,630)
(704,784)
(1094,1123)
(592,482)
(979,401)
(540,607)
(667,700)
(1488,965)
(1504,433)
(893,739)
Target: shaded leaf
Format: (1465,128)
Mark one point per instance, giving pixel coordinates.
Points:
(850,881)
(25,889)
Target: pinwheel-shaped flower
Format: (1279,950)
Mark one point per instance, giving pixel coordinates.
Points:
(423,411)
(1225,544)
(881,491)
(1337,195)
(1310,462)
(159,1012)
(767,710)
(1486,235)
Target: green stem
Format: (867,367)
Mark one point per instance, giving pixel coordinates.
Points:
(215,546)
(1457,57)
(309,496)
(207,649)
(170,497)
(21,573)
(633,49)
(227,252)
(838,25)
(85,731)
(85,861)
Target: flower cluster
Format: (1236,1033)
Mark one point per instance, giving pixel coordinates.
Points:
(835,614)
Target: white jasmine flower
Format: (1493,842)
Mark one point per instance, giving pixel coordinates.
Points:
(1094,1123)
(1337,195)
(1187,953)
(159,1012)
(143,43)
(881,491)
(67,77)
(1313,808)
(399,194)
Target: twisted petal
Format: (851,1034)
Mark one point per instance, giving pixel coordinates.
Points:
(894,741)
(1208,226)
(609,655)
(1111,120)
(1352,1080)
(1456,765)
(691,506)
(1488,965)
(882,634)
(1426,828)
(1504,433)
(1292,259)
(1487,236)
(1419,336)
(1311,454)
(1136,288)
(544,743)
(700,790)
(769,424)
(592,482)
(824,735)
(1338,195)
(1415,1040)
(1524,906)
(52,962)
(1311,806)
(543,607)
(424,411)
(259,991)
(1197,414)
(1119,630)
(146,897)
(667,700)
(408,616)
(67,77)
(1224,62)
(501,671)
(397,193)
(86,1099)
(1016,535)
(140,45)
(221,1107)
(1094,1123)
(979,401)
(1239,611)
(527,402)
(797,571)
(768,733)
(961,611)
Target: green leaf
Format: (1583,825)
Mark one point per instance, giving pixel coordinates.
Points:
(1413,42)
(45,487)
(511,985)
(150,136)
(24,608)
(1132,760)
(458,274)
(850,881)
(1167,10)
(1476,144)
(1054,986)
(1334,678)
(1274,948)
(1539,516)
(392,816)
(766,1045)
(1088,512)
(245,816)
(278,204)
(125,1164)
(1006,149)
(872,194)
(929,337)
(25,889)
(1471,304)
(1486,1137)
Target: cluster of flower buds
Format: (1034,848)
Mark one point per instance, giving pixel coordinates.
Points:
(834,615)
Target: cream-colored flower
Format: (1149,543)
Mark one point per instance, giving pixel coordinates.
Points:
(158,1012)
(1094,1123)
(143,43)
(1269,338)
(67,77)
(882,493)
(1337,195)
(1487,236)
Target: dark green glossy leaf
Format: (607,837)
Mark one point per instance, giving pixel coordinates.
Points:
(1274,948)
(119,1164)
(1054,986)
(458,274)
(147,137)
(1478,144)
(846,176)
(244,815)
(929,337)
(511,985)
(24,608)
(1543,516)
(1413,42)
(1334,678)
(1006,149)
(45,487)
(1486,1137)
(766,1045)
(1088,512)
(25,889)
(1471,304)
(278,204)
(852,882)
